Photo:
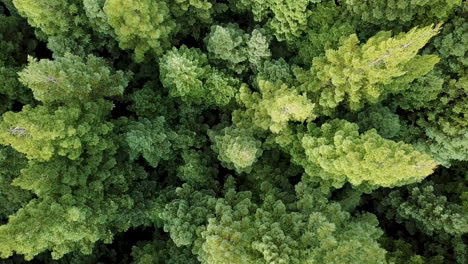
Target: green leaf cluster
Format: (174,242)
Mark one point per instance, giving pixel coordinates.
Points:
(233,131)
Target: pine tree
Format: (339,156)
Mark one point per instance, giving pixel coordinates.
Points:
(359,74)
(143,26)
(186,74)
(273,107)
(336,152)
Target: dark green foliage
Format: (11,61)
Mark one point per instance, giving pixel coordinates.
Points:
(452,43)
(435,212)
(382,119)
(423,91)
(429,211)
(161,251)
(12,198)
(233,131)
(326,27)
(287,19)
(401,11)
(11,90)
(16,43)
(444,124)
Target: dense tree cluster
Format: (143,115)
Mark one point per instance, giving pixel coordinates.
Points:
(233,131)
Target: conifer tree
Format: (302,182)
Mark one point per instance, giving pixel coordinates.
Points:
(237,148)
(359,74)
(144,26)
(339,150)
(71,169)
(186,74)
(233,131)
(444,124)
(273,107)
(386,11)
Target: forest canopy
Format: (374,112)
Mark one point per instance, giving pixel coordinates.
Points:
(233,131)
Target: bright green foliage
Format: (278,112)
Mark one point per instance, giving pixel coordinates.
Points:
(233,131)
(63,24)
(53,17)
(445,124)
(338,149)
(74,219)
(273,107)
(43,132)
(270,231)
(46,130)
(236,229)
(258,48)
(429,211)
(186,74)
(143,26)
(358,74)
(236,147)
(79,202)
(150,139)
(70,78)
(150,26)
(382,12)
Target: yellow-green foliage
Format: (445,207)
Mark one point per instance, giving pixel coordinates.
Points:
(275,231)
(186,74)
(236,147)
(71,78)
(274,106)
(233,131)
(53,17)
(358,74)
(343,154)
(144,26)
(43,132)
